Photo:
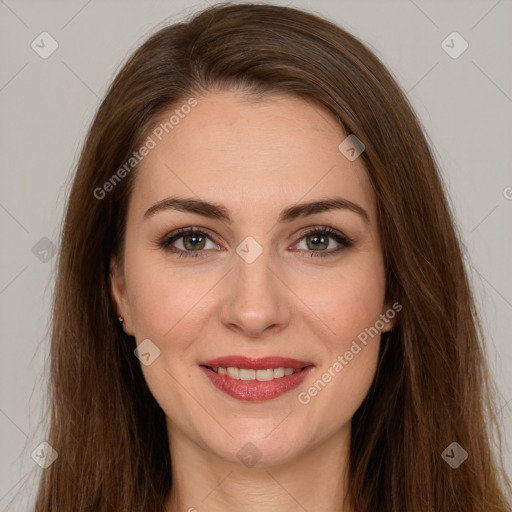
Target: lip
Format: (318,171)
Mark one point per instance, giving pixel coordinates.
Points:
(254,391)
(261,363)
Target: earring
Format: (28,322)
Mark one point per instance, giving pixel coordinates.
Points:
(121,321)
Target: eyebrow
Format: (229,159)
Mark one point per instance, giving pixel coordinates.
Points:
(220,212)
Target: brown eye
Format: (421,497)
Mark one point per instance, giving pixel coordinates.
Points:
(194,242)
(187,242)
(315,242)
(318,240)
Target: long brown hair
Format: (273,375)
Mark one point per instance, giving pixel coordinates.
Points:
(432,385)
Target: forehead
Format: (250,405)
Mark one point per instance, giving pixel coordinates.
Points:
(250,155)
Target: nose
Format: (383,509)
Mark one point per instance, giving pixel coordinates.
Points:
(255,301)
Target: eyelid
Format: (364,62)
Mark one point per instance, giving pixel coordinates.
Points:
(318,228)
(167,240)
(343,240)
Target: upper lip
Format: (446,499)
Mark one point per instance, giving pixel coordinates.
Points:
(261,363)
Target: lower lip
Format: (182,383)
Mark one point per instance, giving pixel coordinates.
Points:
(254,390)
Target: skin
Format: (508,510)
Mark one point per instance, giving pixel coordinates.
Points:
(256,158)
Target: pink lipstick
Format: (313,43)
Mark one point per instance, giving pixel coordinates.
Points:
(259,379)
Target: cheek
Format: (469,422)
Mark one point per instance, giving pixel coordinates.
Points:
(162,296)
(346,302)
(347,307)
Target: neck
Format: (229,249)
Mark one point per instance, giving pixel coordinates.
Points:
(315,480)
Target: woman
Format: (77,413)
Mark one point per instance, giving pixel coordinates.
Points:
(261,301)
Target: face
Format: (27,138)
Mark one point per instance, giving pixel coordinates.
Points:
(259,276)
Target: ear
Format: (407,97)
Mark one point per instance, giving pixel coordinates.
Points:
(119,296)
(389,315)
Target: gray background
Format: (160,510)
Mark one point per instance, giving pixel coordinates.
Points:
(47,105)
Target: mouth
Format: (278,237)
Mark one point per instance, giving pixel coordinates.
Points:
(256,380)
(250,374)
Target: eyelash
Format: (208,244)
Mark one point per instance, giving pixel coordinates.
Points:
(167,241)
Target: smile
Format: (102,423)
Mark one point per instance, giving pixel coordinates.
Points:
(256,385)
(250,374)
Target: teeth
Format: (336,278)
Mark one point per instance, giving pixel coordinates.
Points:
(247,374)
(260,375)
(234,373)
(280,372)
